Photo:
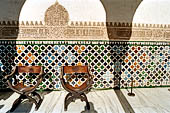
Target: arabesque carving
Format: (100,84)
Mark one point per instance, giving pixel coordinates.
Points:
(84,31)
(56,15)
(58,27)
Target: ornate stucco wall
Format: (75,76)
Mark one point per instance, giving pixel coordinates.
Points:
(145,20)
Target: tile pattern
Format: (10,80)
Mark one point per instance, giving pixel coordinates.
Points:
(76,79)
(111,63)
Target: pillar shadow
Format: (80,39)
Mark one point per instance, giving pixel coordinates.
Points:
(9,29)
(9,26)
(119,17)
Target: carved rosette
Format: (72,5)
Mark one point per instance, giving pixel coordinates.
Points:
(56,19)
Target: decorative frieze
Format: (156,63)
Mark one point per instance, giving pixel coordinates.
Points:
(84,31)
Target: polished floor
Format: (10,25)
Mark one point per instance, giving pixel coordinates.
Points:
(150,100)
(146,100)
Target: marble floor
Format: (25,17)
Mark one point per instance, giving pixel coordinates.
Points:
(149,100)
(101,101)
(146,100)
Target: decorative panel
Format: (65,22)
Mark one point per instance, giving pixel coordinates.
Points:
(113,63)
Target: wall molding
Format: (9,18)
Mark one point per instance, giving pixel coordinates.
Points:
(84,30)
(85,23)
(84,42)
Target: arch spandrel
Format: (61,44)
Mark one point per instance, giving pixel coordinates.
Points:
(74,23)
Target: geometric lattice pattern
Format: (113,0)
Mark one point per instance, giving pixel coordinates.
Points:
(112,64)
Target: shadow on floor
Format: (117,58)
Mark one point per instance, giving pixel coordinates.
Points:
(43,93)
(1,106)
(92,110)
(124,102)
(24,107)
(5,95)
